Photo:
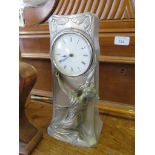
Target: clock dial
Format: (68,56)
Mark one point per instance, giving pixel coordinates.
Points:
(72,54)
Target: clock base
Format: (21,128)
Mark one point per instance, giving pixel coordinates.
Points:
(85,133)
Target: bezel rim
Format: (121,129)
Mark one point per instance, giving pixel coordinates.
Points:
(81,34)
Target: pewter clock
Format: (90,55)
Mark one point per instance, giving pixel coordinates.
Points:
(74,53)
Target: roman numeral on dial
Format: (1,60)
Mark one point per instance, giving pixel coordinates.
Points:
(71,69)
(78,41)
(83,62)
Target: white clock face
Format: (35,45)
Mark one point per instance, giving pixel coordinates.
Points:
(72,54)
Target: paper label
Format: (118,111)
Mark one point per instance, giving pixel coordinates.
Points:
(121,40)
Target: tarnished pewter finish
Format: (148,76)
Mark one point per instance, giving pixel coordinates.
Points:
(75,116)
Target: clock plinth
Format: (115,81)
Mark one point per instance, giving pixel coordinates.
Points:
(74,52)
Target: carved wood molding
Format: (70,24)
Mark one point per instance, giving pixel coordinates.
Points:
(105,9)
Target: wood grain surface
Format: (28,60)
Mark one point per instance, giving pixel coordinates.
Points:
(104,9)
(29,136)
(117,137)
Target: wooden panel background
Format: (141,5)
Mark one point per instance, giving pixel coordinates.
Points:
(116,62)
(105,9)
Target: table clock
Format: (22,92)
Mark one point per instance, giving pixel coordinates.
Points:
(74,55)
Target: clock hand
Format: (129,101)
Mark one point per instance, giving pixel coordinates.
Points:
(64,56)
(63,59)
(70,55)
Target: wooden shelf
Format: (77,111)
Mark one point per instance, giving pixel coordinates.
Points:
(117,59)
(110,59)
(106,107)
(117,136)
(35,55)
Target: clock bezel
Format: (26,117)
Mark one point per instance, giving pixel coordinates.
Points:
(81,34)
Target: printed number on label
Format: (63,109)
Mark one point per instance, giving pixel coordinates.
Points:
(121,40)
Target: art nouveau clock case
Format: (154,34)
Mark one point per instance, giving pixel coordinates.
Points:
(74,53)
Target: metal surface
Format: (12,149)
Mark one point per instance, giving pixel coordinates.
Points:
(75,117)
